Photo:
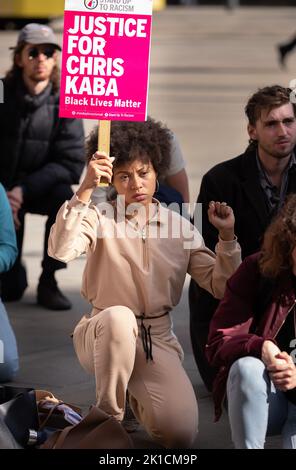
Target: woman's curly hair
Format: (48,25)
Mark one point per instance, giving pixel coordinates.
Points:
(279,242)
(147,140)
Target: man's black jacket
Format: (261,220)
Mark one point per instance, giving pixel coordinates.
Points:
(236,182)
(37,148)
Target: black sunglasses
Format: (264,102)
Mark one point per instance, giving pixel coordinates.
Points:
(35,51)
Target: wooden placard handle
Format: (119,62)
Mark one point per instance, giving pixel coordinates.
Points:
(104,144)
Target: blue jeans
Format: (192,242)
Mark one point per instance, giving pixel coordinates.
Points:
(8,349)
(256,408)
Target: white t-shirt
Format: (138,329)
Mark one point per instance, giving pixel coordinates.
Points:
(177,160)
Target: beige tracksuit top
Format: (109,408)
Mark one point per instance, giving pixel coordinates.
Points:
(141,269)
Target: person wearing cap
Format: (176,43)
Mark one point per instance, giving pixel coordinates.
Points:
(42,155)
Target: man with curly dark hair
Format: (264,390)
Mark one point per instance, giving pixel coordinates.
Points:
(255,184)
(42,155)
(253,340)
(138,254)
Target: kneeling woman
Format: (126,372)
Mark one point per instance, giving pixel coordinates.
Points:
(138,254)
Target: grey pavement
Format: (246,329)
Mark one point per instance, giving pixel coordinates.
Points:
(205,62)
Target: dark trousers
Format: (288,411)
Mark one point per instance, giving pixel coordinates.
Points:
(202,307)
(289,46)
(15,279)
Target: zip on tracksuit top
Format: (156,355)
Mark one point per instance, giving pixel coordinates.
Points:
(143,269)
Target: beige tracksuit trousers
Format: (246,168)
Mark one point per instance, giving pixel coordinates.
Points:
(108,344)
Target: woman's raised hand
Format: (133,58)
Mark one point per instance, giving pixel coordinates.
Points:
(100,166)
(222,217)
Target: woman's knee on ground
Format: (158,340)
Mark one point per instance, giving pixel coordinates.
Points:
(177,436)
(118,322)
(175,429)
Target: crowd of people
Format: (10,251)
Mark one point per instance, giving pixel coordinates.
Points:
(242,294)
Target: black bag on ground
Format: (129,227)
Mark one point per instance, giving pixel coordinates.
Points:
(18,410)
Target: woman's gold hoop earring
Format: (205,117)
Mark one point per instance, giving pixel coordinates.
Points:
(157,186)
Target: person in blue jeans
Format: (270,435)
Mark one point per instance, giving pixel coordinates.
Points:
(8,253)
(252,340)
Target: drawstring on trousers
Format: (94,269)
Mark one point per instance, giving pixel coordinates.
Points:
(146,335)
(146,340)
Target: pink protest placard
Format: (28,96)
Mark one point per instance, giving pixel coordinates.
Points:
(105,61)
